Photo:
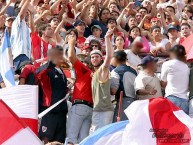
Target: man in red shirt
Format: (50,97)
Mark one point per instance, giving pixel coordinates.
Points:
(80,27)
(79,117)
(42,42)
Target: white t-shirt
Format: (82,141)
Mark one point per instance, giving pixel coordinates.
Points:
(133,59)
(161,44)
(176,74)
(146,82)
(20,38)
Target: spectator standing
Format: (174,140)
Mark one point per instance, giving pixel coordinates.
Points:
(173,35)
(185,31)
(175,77)
(53,87)
(147,85)
(80,27)
(103,107)
(133,53)
(122,79)
(80,114)
(21,49)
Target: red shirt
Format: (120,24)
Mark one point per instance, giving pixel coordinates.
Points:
(69,14)
(80,42)
(67,73)
(82,86)
(27,70)
(181,40)
(39,47)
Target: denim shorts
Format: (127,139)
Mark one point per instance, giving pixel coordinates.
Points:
(181,103)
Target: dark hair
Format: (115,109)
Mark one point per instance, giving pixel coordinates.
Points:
(121,56)
(130,38)
(101,11)
(114,3)
(42,28)
(186,24)
(155,27)
(190,9)
(179,52)
(119,36)
(111,18)
(144,9)
(54,17)
(58,47)
(40,2)
(96,41)
(72,30)
(114,12)
(171,8)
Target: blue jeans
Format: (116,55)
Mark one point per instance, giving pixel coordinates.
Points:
(78,123)
(182,103)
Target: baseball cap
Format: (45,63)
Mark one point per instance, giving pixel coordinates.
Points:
(96,52)
(22,65)
(96,26)
(172,27)
(10,18)
(147,59)
(78,22)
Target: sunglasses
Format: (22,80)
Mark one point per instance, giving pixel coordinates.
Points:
(94,45)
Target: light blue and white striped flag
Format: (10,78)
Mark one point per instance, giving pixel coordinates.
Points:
(5,68)
(108,135)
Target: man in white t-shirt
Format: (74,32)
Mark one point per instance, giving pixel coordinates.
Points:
(132,54)
(175,77)
(147,85)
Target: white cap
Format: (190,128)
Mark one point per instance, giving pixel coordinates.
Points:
(96,52)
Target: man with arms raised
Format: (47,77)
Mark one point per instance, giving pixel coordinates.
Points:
(103,108)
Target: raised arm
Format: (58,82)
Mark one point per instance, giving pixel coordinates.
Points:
(71,50)
(104,69)
(31,22)
(6,7)
(45,13)
(57,30)
(163,19)
(85,11)
(154,9)
(54,6)
(24,9)
(80,5)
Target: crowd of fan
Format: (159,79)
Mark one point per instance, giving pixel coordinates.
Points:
(105,53)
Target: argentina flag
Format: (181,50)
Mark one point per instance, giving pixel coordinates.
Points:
(108,135)
(5,68)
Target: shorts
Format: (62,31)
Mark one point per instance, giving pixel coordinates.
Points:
(53,127)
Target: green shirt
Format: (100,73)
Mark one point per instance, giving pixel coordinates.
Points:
(101,94)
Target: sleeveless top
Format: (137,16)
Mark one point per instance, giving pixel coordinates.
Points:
(101,94)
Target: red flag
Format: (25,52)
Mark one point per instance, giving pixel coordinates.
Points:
(13,130)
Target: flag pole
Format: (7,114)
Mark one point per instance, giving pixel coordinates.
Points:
(120,107)
(42,114)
